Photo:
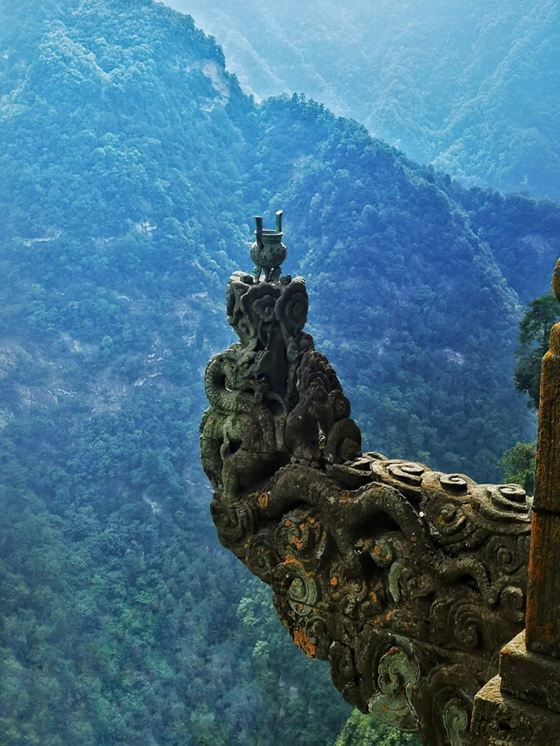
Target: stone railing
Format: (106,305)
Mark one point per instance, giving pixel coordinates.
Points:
(407,580)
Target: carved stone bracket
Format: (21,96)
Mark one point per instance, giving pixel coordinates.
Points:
(407,580)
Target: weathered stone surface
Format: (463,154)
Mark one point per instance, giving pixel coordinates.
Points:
(407,580)
(502,720)
(529,676)
(543,611)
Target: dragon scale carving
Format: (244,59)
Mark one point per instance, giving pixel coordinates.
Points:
(407,580)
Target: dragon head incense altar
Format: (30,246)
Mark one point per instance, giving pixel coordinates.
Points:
(408,581)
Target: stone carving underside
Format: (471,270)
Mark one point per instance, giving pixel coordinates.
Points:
(408,581)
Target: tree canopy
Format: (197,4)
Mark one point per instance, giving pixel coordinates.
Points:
(534,338)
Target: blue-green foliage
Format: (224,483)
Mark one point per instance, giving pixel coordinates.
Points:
(408,275)
(361,730)
(470,86)
(119,609)
(131,163)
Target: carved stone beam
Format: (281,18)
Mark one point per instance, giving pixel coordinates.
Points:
(407,580)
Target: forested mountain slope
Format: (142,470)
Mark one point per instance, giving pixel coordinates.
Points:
(131,164)
(123,621)
(471,87)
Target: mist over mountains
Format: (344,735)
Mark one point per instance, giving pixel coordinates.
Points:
(131,165)
(470,87)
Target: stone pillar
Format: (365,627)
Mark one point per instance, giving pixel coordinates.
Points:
(543,596)
(521,706)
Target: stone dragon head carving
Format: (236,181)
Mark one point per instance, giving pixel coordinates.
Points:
(407,580)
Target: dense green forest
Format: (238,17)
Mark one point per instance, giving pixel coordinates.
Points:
(131,165)
(469,86)
(361,730)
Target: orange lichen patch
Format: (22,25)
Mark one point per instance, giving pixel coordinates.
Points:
(544,537)
(303,642)
(287,524)
(374,598)
(292,561)
(377,550)
(543,613)
(345,497)
(388,616)
(312,521)
(334,582)
(297,542)
(262,499)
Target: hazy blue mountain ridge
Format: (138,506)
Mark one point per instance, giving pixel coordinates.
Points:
(471,87)
(132,164)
